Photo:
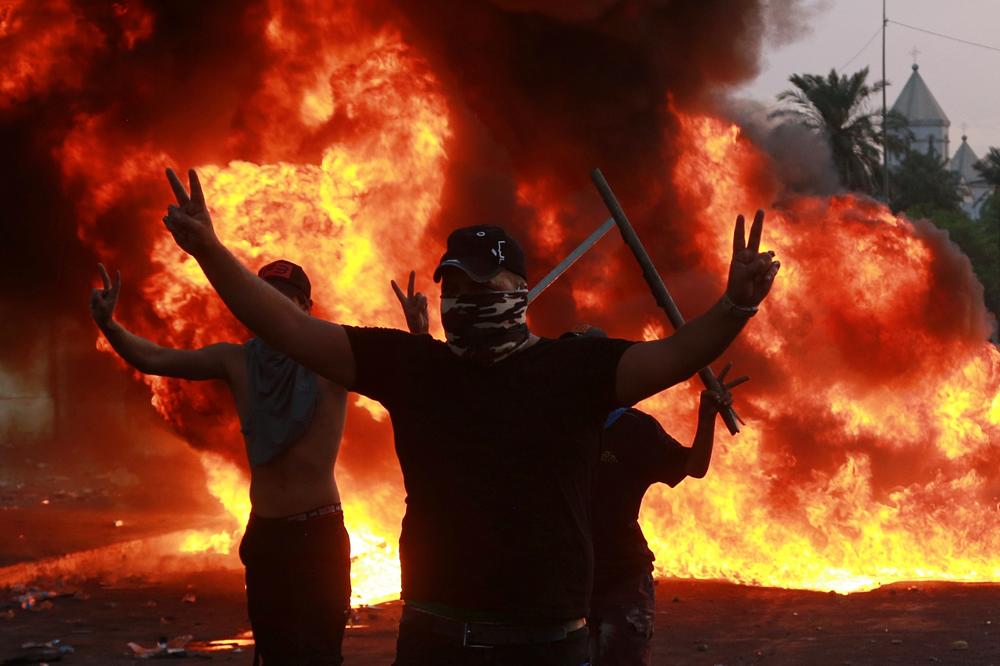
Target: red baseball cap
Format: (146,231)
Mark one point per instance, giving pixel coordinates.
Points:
(283,272)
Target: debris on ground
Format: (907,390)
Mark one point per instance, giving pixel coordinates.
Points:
(36,599)
(172,648)
(36,652)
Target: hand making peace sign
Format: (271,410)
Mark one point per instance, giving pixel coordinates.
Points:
(189,221)
(414,306)
(716,401)
(751,272)
(103,301)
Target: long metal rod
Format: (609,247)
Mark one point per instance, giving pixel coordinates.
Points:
(655,282)
(571,258)
(885,140)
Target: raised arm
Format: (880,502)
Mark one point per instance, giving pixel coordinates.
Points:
(211,362)
(650,367)
(317,344)
(704,439)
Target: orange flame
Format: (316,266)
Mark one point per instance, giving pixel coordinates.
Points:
(851,270)
(887,385)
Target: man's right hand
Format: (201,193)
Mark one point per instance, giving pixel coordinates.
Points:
(189,221)
(414,306)
(102,301)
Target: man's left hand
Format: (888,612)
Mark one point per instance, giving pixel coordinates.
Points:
(751,272)
(713,402)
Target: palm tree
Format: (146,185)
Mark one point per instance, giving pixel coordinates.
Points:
(838,106)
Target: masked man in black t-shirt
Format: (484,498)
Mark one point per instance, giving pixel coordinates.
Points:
(635,454)
(497,433)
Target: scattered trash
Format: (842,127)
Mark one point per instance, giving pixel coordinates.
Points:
(190,598)
(54,644)
(165,649)
(35,599)
(119,523)
(701,647)
(40,653)
(933,659)
(960,645)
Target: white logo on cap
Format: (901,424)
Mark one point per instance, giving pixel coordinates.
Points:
(498,252)
(480,233)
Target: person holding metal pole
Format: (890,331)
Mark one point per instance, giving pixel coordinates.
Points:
(496,430)
(635,453)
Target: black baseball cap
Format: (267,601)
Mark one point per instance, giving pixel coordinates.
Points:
(284,273)
(482,251)
(591,332)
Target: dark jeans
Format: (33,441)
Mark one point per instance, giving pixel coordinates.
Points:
(298,576)
(621,621)
(419,646)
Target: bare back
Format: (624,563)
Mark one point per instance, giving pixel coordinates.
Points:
(301,477)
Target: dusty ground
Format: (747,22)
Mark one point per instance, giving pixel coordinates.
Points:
(698,622)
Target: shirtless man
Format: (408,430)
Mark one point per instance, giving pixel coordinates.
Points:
(296,550)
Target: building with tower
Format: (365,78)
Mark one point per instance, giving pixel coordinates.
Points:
(929,126)
(971,184)
(927,119)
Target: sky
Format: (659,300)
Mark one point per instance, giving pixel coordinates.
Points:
(964,79)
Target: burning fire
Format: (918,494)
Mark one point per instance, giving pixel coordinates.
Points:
(874,411)
(849,329)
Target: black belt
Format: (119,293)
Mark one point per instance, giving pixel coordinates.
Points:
(493,634)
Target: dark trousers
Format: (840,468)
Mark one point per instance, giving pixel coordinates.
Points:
(419,645)
(621,621)
(298,576)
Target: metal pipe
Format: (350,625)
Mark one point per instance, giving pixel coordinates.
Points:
(655,282)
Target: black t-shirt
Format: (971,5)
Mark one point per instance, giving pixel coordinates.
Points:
(635,453)
(498,463)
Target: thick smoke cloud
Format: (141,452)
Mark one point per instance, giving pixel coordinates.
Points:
(549,91)
(537,92)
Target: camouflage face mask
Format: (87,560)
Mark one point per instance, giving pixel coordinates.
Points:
(486,327)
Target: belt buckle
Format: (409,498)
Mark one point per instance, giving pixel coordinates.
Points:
(468,639)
